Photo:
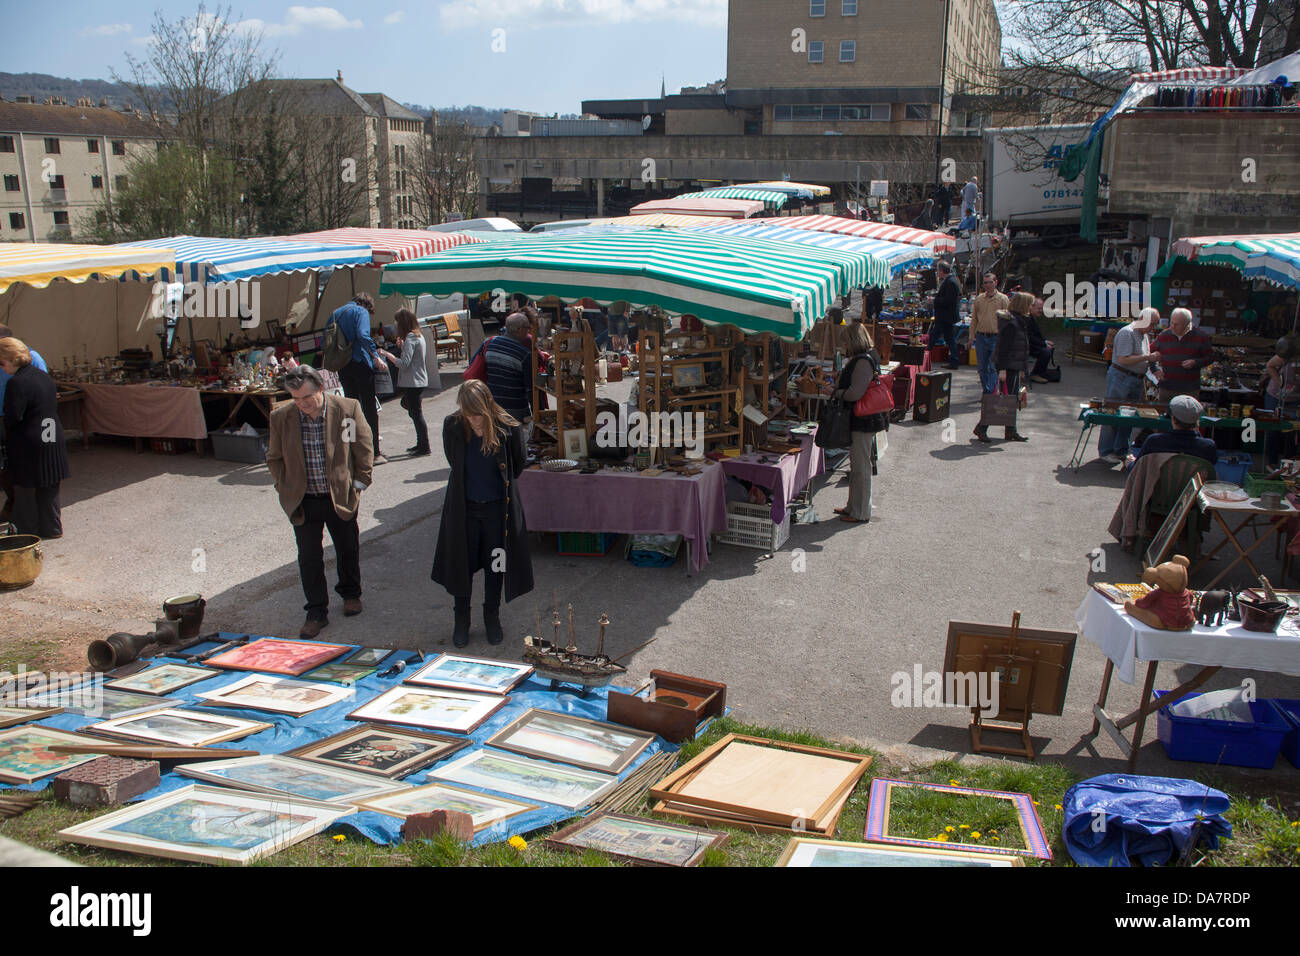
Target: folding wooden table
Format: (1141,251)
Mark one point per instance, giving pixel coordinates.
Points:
(1253,517)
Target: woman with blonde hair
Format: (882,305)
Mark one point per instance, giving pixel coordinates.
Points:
(1011,356)
(482,526)
(862,368)
(38,461)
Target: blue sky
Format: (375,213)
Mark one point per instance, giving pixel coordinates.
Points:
(556,52)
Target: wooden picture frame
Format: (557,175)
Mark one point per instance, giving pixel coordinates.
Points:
(564,738)
(13,716)
(1163,543)
(279,695)
(876,829)
(369,656)
(969,644)
(575,444)
(92,700)
(384,751)
(638,840)
(272,655)
(802,852)
(688,374)
(152,727)
(430,707)
(480,675)
(25,754)
(200,824)
(766,784)
(162,679)
(290,777)
(340,672)
(552,783)
(485,809)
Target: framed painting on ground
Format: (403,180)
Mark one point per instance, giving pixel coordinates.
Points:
(274,773)
(483,808)
(430,707)
(207,825)
(385,751)
(1162,545)
(340,672)
(9,716)
(183,728)
(25,755)
(638,840)
(92,700)
(803,852)
(589,744)
(162,679)
(369,656)
(523,777)
(1010,817)
(276,694)
(471,673)
(274,656)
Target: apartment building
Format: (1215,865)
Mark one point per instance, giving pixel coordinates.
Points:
(58,161)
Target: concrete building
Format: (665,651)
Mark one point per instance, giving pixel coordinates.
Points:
(59,160)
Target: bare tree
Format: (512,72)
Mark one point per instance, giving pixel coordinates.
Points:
(338,170)
(443,172)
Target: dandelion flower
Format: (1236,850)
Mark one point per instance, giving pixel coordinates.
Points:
(975,834)
(519,843)
(965,826)
(948,829)
(1057,806)
(339,838)
(943,838)
(955,783)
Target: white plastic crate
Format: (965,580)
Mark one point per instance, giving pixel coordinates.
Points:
(751,526)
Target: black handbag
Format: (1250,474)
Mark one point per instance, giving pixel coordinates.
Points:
(834,424)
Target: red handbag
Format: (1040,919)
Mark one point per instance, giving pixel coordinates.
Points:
(879,396)
(478,367)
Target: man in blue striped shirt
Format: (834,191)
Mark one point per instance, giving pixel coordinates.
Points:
(509,361)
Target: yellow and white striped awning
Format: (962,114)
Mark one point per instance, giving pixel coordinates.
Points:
(40,263)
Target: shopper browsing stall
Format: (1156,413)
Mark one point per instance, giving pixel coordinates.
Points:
(1282,393)
(358,376)
(1184,351)
(1131,356)
(984,330)
(38,461)
(862,368)
(1012,353)
(412,376)
(482,526)
(946,301)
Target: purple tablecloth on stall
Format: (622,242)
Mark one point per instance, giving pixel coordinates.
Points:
(628,503)
(784,478)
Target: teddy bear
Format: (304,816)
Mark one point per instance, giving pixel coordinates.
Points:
(1169,606)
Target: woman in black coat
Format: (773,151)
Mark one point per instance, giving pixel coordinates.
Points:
(1011,354)
(862,368)
(482,525)
(38,460)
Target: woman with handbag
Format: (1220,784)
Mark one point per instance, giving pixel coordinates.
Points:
(860,375)
(1011,357)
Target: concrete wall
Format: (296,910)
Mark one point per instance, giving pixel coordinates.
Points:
(1189,167)
(704,122)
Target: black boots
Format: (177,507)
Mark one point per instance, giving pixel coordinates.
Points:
(492,622)
(460,633)
(982,434)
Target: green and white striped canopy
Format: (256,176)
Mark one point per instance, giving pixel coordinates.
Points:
(1273,257)
(773,198)
(756,285)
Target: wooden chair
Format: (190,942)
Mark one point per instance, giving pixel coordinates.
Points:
(450,339)
(1174,476)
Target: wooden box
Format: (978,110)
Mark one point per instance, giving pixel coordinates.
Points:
(106,781)
(931,400)
(673,721)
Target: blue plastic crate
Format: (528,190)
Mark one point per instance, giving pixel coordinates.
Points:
(1222,741)
(1233,467)
(1289,710)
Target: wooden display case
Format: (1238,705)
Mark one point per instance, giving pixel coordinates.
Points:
(574,402)
(690,372)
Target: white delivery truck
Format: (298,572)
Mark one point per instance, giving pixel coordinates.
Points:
(1023,188)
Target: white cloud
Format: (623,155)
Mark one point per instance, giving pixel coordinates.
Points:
(397,16)
(525,14)
(106,30)
(298,19)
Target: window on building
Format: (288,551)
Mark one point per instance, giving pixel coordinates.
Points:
(11,184)
(816,8)
(101,217)
(17,221)
(96,182)
(6,144)
(92,146)
(119,147)
(917,111)
(815,51)
(56,182)
(119,182)
(849,8)
(848,51)
(51,144)
(831,112)
(61,217)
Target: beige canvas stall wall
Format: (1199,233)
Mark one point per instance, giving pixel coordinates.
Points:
(345,283)
(67,319)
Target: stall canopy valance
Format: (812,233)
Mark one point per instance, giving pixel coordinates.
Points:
(770,198)
(937,242)
(695,205)
(805,190)
(759,286)
(387,245)
(202,259)
(1272,257)
(882,260)
(39,263)
(663,219)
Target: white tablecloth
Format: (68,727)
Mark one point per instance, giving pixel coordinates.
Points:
(1124,639)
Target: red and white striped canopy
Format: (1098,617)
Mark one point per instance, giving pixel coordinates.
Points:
(936,242)
(1190,74)
(388,245)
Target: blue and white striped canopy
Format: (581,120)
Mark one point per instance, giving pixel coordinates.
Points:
(203,259)
(898,256)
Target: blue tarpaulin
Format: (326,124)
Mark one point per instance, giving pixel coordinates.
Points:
(1116,818)
(288,732)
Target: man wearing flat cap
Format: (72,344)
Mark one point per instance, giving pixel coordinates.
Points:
(1185,412)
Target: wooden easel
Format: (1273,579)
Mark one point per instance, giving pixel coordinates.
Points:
(1006,716)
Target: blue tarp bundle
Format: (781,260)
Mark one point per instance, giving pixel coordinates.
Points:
(1148,819)
(288,732)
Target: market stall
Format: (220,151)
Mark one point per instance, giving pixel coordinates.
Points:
(388,245)
(937,242)
(37,264)
(697,205)
(771,198)
(900,256)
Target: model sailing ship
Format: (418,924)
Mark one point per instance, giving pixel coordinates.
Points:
(566,664)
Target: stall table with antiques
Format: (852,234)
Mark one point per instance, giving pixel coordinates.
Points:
(72,398)
(145,411)
(1268,519)
(261,399)
(783,473)
(1124,639)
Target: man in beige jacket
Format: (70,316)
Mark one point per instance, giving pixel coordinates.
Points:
(320,455)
